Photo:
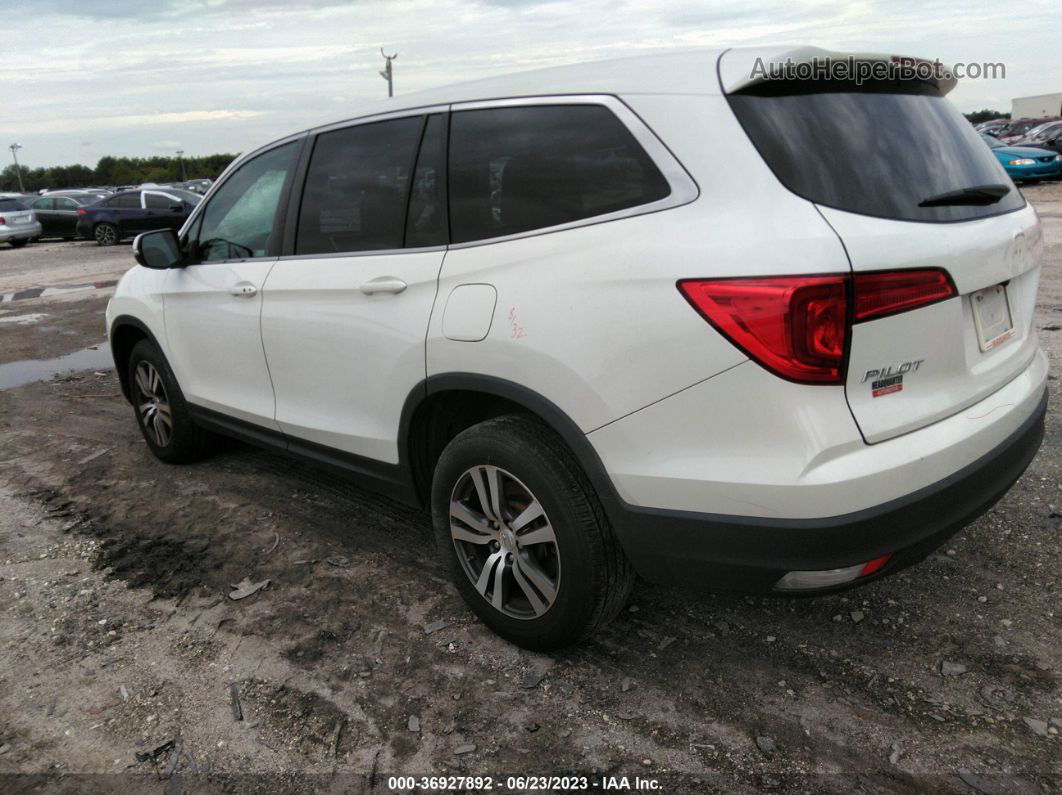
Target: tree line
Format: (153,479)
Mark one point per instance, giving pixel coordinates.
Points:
(987,114)
(116,171)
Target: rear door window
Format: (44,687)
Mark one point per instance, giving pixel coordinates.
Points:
(357,188)
(874,152)
(125,201)
(522,168)
(157,201)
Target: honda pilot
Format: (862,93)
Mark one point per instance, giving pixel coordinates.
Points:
(672,316)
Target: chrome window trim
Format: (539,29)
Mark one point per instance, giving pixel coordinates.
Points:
(683,187)
(427,110)
(372,252)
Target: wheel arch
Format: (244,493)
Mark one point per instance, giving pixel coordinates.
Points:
(125,332)
(444,405)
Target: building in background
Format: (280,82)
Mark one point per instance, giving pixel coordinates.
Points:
(1036,107)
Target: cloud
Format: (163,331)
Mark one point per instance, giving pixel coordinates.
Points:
(232,74)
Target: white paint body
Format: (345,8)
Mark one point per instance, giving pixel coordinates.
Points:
(589,318)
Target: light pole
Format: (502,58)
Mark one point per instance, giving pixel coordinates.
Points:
(180,160)
(18,171)
(387,73)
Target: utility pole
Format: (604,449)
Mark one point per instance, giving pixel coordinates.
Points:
(387,73)
(180,160)
(14,153)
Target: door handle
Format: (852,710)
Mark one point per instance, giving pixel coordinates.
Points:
(243,290)
(384,284)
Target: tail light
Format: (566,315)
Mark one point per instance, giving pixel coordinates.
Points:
(2,221)
(883,294)
(82,211)
(798,326)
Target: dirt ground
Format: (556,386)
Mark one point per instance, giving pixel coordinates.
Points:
(120,651)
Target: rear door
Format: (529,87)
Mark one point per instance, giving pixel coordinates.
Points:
(346,312)
(44,209)
(908,186)
(63,221)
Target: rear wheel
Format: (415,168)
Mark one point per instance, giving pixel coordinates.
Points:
(523,535)
(106,234)
(18,243)
(161,411)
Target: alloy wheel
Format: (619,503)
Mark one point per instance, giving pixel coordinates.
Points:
(505,542)
(153,404)
(106,235)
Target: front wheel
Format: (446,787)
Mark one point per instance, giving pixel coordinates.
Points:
(523,535)
(161,412)
(106,234)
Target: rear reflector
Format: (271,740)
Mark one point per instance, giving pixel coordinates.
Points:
(882,294)
(827,578)
(797,326)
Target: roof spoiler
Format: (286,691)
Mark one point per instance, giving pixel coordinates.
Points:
(756,69)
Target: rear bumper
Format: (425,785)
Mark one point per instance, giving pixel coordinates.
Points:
(751,553)
(20,232)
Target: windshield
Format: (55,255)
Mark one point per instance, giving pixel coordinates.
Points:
(873,152)
(12,205)
(992,141)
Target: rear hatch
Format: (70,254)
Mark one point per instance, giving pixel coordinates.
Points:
(909,187)
(15,213)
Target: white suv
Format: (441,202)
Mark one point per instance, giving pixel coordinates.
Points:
(664,315)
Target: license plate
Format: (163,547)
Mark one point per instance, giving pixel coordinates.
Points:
(22,219)
(992,316)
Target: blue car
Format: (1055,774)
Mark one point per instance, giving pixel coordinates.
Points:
(131,212)
(1025,162)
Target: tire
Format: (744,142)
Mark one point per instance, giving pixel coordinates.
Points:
(18,243)
(106,234)
(156,397)
(552,592)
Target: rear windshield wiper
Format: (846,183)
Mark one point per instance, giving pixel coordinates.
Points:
(977,194)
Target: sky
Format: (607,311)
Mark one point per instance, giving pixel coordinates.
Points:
(80,79)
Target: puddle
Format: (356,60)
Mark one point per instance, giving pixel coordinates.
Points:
(16,374)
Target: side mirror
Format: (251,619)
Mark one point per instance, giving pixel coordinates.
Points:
(158,250)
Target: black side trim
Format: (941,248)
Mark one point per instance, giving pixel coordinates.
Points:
(390,479)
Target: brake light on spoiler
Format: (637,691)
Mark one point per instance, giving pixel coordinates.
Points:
(798,327)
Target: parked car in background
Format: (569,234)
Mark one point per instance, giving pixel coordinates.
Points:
(131,212)
(991,127)
(198,185)
(57,212)
(539,305)
(18,224)
(1018,129)
(1046,135)
(1025,162)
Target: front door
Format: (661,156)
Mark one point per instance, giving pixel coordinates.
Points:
(213,306)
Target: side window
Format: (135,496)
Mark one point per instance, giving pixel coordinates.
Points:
(65,204)
(238,221)
(44,204)
(125,201)
(157,201)
(357,187)
(522,168)
(426,221)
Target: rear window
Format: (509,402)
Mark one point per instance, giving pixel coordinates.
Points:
(523,168)
(12,205)
(876,153)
